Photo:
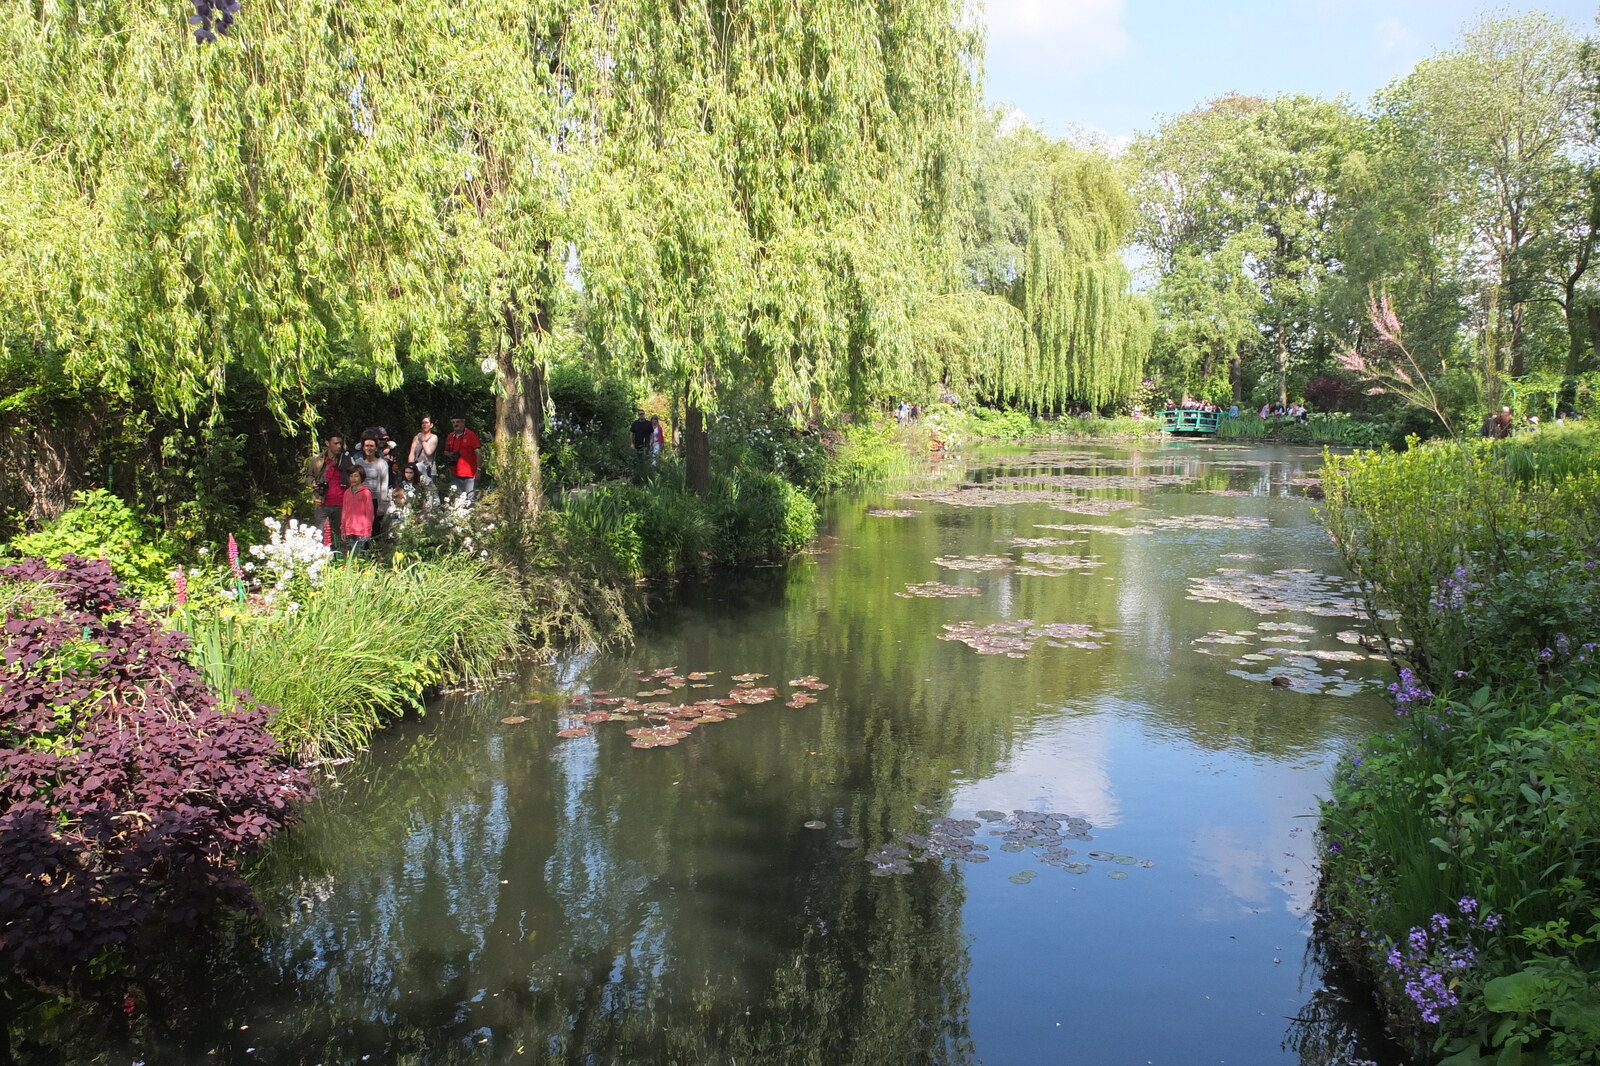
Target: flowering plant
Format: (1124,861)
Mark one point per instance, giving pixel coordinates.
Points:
(290,563)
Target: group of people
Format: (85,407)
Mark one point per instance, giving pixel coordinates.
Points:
(907,413)
(647,436)
(1498,425)
(1296,411)
(364,493)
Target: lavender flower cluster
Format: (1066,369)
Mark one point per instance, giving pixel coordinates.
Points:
(1408,692)
(1433,957)
(1451,595)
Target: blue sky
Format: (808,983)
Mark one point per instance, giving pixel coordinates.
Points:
(1118,66)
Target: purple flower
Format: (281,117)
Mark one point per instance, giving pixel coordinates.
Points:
(1335,848)
(1407,691)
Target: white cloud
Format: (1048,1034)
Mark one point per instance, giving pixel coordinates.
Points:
(1082,33)
(1393,37)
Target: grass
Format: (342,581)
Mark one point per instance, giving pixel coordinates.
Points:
(366,645)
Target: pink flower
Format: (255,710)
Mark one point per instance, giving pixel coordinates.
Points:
(327,532)
(180,587)
(233,558)
(1352,360)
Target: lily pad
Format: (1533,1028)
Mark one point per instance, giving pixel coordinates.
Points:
(515,719)
(814,824)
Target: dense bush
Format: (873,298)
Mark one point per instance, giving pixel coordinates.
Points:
(1477,552)
(586,437)
(760,517)
(1461,846)
(102,526)
(128,796)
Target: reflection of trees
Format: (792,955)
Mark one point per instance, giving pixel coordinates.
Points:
(588,902)
(1337,1024)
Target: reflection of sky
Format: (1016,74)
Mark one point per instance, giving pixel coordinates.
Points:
(1063,769)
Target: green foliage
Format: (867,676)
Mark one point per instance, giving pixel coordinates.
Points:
(761,518)
(102,526)
(1481,798)
(1481,558)
(586,436)
(648,529)
(1474,553)
(368,643)
(866,452)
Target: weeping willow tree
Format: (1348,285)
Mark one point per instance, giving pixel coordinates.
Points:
(772,196)
(1053,321)
(370,187)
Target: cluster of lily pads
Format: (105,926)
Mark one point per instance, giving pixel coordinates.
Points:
(1032,564)
(1205,521)
(1087,481)
(1305,591)
(669,723)
(1016,639)
(937,590)
(954,838)
(887,512)
(1275,652)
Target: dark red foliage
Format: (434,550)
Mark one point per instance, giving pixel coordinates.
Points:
(1329,392)
(126,797)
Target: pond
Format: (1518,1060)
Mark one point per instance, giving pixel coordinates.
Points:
(1046,795)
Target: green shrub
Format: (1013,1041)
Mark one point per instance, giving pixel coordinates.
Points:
(760,517)
(1487,800)
(1476,567)
(102,526)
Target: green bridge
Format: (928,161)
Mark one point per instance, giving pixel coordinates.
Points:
(1187,423)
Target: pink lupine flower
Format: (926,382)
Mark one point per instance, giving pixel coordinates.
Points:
(180,587)
(233,558)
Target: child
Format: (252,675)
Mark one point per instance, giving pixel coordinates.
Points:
(356,522)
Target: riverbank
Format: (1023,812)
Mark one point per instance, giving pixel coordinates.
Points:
(602,889)
(1460,846)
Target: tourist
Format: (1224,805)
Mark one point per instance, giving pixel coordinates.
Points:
(461,459)
(658,436)
(420,495)
(375,474)
(327,473)
(358,517)
(1502,424)
(423,448)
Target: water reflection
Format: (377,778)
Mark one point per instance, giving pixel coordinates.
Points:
(479,891)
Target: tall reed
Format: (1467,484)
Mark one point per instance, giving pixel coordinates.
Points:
(365,645)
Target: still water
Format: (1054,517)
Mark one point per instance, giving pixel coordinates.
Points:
(481,891)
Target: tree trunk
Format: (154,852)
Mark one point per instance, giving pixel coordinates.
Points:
(1593,316)
(1280,360)
(696,449)
(1236,378)
(518,415)
(1518,313)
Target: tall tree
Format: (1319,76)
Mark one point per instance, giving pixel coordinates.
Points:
(334,184)
(1500,118)
(1264,169)
(1049,237)
(775,182)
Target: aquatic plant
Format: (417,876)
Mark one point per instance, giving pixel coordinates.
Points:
(674,722)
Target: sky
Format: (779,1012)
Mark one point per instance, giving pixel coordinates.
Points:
(1117,67)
